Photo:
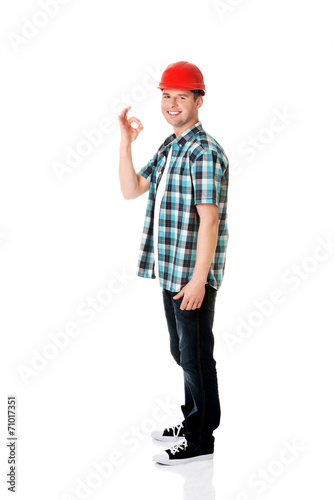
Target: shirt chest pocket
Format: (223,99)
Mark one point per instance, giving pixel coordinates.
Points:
(181,181)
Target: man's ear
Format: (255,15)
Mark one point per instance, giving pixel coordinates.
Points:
(199,102)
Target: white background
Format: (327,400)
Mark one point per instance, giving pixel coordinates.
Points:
(64,238)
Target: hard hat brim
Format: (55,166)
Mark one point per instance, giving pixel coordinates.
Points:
(181,87)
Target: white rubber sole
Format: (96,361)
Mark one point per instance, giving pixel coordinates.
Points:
(165,460)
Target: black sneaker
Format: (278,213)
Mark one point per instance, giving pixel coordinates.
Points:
(181,453)
(170,434)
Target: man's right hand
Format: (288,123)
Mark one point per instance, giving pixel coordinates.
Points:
(128,133)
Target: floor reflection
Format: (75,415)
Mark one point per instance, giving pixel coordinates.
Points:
(197,479)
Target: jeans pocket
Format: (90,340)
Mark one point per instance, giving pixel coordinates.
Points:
(178,301)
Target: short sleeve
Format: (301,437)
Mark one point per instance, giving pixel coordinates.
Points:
(148,169)
(207,173)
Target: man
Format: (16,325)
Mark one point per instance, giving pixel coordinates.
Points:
(184,245)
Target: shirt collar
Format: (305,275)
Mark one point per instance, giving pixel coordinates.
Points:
(186,136)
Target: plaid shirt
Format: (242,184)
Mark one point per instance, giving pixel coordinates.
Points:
(198,173)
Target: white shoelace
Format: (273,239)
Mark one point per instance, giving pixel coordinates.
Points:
(178,446)
(176,430)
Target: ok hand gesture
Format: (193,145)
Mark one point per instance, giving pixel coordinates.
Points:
(128,133)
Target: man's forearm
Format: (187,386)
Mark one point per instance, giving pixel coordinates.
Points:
(206,245)
(127,175)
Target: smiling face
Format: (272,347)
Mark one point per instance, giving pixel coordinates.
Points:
(180,109)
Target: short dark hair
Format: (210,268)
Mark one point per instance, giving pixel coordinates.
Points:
(197,93)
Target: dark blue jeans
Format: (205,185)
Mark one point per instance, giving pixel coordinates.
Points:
(191,345)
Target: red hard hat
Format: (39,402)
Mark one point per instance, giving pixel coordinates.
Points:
(182,75)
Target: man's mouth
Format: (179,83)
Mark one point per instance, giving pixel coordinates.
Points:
(173,113)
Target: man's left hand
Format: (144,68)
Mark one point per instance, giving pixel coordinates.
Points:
(193,293)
